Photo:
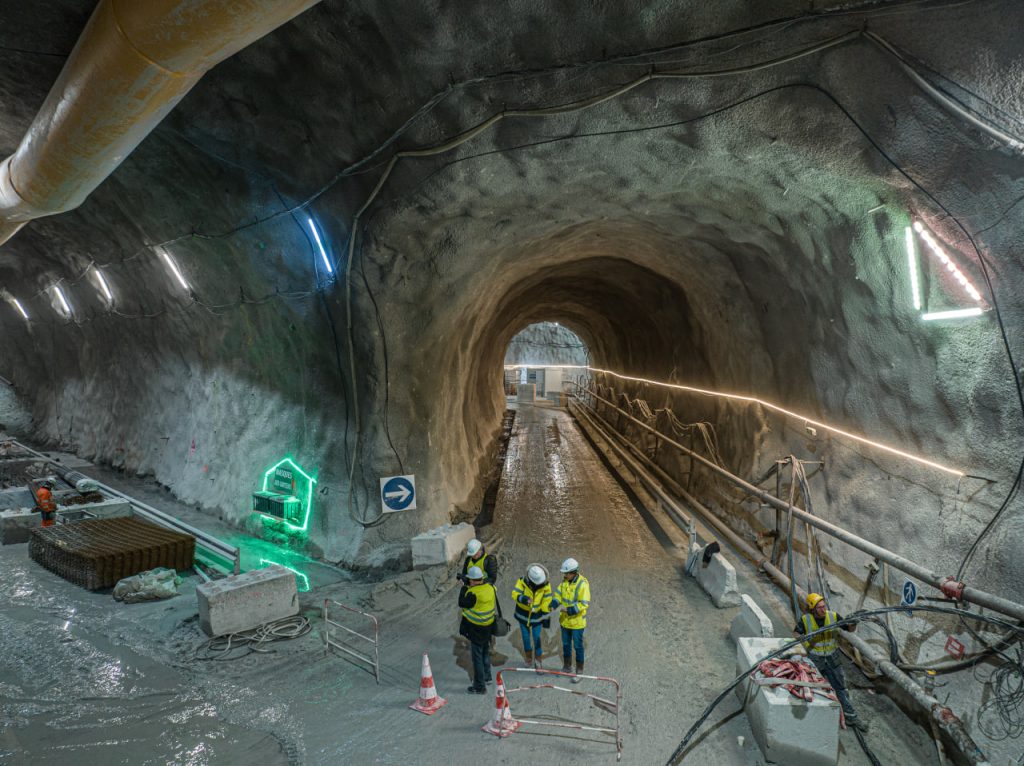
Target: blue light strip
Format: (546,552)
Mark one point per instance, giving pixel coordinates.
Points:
(323,253)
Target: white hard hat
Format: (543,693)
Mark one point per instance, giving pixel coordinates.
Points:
(570,565)
(536,574)
(474,547)
(475,573)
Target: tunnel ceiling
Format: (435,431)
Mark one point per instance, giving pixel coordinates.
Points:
(739,224)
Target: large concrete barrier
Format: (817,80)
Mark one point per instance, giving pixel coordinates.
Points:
(245,601)
(751,622)
(718,578)
(441,545)
(787,729)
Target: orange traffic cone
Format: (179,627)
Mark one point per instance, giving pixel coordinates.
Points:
(503,723)
(429,701)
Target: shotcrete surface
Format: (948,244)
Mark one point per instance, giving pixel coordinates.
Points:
(111,684)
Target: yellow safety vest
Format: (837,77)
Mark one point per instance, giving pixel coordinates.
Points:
(826,643)
(478,563)
(482,612)
(575,593)
(540,601)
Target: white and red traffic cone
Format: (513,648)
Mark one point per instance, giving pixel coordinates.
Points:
(503,724)
(429,702)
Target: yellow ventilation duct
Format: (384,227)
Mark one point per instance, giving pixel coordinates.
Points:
(135,60)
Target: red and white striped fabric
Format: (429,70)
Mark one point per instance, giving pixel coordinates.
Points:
(801,679)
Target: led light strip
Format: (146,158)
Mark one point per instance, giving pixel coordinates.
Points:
(104,285)
(958,275)
(174,268)
(955,314)
(323,253)
(17,305)
(915,284)
(63,300)
(754,400)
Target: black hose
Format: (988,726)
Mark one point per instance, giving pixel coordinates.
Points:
(679,752)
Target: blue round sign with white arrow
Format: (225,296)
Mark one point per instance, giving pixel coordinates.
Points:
(397,493)
(909,593)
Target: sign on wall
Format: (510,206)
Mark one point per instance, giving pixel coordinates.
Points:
(397,493)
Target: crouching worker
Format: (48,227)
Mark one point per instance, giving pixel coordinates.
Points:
(478,601)
(532,595)
(823,650)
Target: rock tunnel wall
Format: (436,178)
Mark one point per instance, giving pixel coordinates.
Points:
(740,232)
(546,343)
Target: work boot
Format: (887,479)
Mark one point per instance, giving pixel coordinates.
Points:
(474,690)
(527,660)
(567,664)
(579,670)
(538,663)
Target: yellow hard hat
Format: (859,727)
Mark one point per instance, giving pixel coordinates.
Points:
(813,599)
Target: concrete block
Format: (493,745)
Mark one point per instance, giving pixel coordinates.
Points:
(242,602)
(441,545)
(16,525)
(15,498)
(787,729)
(718,578)
(527,392)
(751,622)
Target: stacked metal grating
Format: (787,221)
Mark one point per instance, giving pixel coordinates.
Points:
(96,553)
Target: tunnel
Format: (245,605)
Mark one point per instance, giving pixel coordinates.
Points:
(678,291)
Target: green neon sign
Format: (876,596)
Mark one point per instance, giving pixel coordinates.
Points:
(286,478)
(301,579)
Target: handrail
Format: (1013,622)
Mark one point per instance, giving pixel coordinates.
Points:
(203,539)
(949,585)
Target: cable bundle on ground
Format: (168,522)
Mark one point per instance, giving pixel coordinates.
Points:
(234,646)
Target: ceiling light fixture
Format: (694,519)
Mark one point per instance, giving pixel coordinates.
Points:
(174,268)
(63,300)
(103,285)
(767,405)
(323,253)
(958,275)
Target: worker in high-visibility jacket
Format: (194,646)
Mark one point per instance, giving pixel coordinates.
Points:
(573,595)
(45,504)
(479,602)
(532,595)
(823,650)
(477,556)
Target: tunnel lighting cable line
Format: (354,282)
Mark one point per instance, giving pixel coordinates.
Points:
(993,299)
(767,405)
(680,752)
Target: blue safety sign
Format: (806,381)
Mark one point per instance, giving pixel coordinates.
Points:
(909,593)
(397,493)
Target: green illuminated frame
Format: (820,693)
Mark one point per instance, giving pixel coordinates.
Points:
(309,494)
(301,579)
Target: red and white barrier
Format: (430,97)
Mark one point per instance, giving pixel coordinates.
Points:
(503,724)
